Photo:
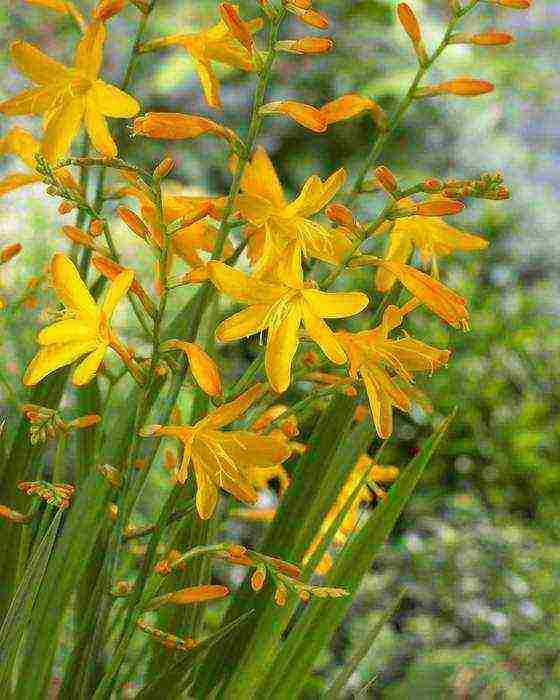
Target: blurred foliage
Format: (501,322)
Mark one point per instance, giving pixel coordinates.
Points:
(480,555)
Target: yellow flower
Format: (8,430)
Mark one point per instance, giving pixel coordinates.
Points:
(215,44)
(287,227)
(84,328)
(69,96)
(281,306)
(19,142)
(223,459)
(431,235)
(372,353)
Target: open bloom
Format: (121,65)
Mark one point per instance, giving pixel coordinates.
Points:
(19,142)
(281,306)
(223,459)
(84,328)
(279,228)
(431,235)
(69,96)
(215,44)
(381,362)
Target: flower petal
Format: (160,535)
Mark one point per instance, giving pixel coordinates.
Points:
(35,101)
(85,371)
(71,289)
(381,407)
(67,332)
(316,194)
(400,249)
(228,412)
(250,450)
(241,287)
(54,357)
(243,324)
(281,347)
(89,53)
(21,143)
(96,126)
(335,304)
(36,65)
(260,179)
(209,82)
(62,127)
(118,289)
(206,491)
(323,336)
(17,180)
(113,102)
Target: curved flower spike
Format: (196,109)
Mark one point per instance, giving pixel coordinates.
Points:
(286,226)
(215,44)
(281,307)
(372,353)
(69,96)
(223,459)
(432,236)
(84,328)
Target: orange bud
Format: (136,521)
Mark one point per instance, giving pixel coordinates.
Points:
(107,9)
(386,178)
(65,207)
(258,578)
(9,252)
(203,367)
(164,168)
(306,45)
(76,235)
(237,26)
(111,270)
(515,4)
(85,421)
(13,515)
(285,567)
(384,474)
(311,17)
(306,115)
(439,207)
(134,223)
(462,87)
(96,227)
(492,39)
(432,185)
(280,596)
(409,22)
(350,106)
(339,214)
(188,596)
(175,125)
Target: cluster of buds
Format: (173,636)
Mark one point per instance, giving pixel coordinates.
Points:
(169,641)
(58,495)
(487,186)
(46,422)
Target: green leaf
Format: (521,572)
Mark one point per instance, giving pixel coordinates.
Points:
(337,689)
(322,617)
(66,567)
(20,610)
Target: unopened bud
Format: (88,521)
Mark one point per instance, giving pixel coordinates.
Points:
(107,9)
(280,596)
(258,578)
(237,26)
(164,168)
(339,214)
(97,227)
(9,252)
(491,38)
(461,87)
(13,515)
(66,207)
(432,185)
(203,367)
(306,115)
(134,223)
(307,45)
(309,16)
(514,4)
(409,22)
(85,421)
(386,179)
(439,207)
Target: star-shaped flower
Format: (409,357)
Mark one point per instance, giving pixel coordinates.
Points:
(69,96)
(381,362)
(84,328)
(223,459)
(215,44)
(278,228)
(280,305)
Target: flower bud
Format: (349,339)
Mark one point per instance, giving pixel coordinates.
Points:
(386,179)
(203,367)
(409,23)
(13,515)
(514,4)
(9,252)
(258,578)
(492,39)
(175,125)
(134,223)
(65,207)
(306,45)
(280,596)
(188,596)
(306,115)
(439,207)
(85,421)
(97,227)
(339,214)
(164,168)
(432,185)
(462,87)
(313,18)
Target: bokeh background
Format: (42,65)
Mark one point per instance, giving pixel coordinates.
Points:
(478,547)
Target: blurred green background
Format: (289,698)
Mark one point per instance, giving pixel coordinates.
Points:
(478,547)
